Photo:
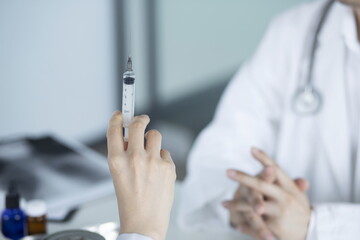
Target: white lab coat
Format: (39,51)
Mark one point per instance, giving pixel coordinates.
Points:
(255,110)
(133,236)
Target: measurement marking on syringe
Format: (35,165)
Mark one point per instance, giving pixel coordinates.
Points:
(128,97)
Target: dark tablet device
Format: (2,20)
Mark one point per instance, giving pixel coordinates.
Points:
(64,173)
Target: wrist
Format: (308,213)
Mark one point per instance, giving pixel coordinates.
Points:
(307,225)
(310,226)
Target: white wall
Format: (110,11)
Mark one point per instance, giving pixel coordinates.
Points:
(57,68)
(200,41)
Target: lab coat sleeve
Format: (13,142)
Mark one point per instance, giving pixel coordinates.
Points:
(133,236)
(334,222)
(247,115)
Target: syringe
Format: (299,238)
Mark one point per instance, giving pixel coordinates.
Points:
(128,99)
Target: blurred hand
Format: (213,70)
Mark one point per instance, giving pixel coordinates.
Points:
(284,209)
(144,177)
(246,208)
(247,205)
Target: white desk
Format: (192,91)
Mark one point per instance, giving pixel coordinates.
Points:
(105,210)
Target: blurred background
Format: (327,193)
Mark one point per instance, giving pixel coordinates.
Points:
(61,63)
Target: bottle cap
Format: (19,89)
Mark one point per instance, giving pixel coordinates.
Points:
(12,199)
(36,208)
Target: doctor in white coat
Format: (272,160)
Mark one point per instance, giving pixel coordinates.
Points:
(257,110)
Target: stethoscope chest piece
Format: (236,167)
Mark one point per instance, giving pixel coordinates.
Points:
(307,101)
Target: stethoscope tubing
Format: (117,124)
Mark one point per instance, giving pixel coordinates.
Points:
(301,103)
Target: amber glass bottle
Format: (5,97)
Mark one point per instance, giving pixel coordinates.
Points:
(36,217)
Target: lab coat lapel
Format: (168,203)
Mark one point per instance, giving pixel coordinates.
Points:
(334,116)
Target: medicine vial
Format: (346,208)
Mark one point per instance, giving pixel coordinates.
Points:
(13,219)
(36,217)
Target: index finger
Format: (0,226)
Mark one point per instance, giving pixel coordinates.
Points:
(283,179)
(265,188)
(255,198)
(115,141)
(262,157)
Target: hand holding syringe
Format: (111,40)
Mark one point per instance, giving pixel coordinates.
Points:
(128,100)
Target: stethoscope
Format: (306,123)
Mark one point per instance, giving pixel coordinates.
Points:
(307,99)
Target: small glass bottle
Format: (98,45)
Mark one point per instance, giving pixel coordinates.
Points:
(13,218)
(36,217)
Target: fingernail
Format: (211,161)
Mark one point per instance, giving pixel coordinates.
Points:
(226,204)
(117,113)
(255,151)
(269,237)
(231,173)
(268,171)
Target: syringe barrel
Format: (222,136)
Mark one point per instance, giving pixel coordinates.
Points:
(128,99)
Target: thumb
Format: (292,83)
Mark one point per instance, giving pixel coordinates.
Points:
(302,184)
